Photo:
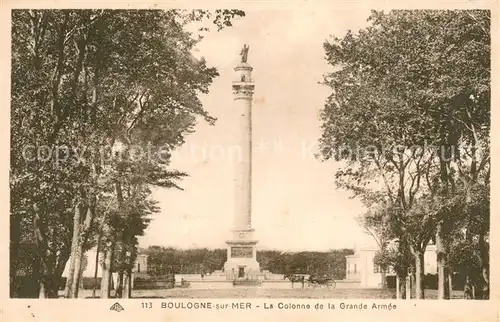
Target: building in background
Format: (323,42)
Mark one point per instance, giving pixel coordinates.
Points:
(362,271)
(140,266)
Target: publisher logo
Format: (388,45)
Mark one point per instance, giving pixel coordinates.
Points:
(116,307)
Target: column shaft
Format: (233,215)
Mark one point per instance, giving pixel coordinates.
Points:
(243,168)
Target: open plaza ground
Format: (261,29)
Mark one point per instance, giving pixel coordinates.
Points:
(257,292)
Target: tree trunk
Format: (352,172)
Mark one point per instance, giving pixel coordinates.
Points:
(35,277)
(119,284)
(408,287)
(48,281)
(74,248)
(486,288)
(121,252)
(441,263)
(485,258)
(62,260)
(419,275)
(15,236)
(413,286)
(398,288)
(52,287)
(447,290)
(98,249)
(46,257)
(127,291)
(47,287)
(79,252)
(77,272)
(43,292)
(403,287)
(450,280)
(441,250)
(383,276)
(106,272)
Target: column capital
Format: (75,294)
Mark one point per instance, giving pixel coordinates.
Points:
(242,90)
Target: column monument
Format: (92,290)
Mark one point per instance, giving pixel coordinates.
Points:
(241,252)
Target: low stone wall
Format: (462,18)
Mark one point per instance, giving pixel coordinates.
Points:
(223,277)
(197,277)
(208,285)
(287,284)
(269,284)
(198,284)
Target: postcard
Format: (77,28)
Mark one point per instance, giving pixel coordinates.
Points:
(250,160)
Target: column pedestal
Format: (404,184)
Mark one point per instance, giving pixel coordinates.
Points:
(242,256)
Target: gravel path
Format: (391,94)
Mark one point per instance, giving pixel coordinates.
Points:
(257,292)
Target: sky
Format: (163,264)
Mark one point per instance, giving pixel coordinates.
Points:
(295,203)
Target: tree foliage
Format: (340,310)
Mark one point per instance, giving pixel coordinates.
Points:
(409,118)
(85,85)
(168,260)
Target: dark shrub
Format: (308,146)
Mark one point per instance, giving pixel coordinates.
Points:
(391,281)
(143,283)
(88,283)
(431,281)
(25,287)
(63,283)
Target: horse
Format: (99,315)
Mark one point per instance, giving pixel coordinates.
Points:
(323,280)
(294,278)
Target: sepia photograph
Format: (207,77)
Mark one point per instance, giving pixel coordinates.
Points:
(250,154)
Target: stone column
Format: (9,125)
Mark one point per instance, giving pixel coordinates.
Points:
(243,95)
(242,240)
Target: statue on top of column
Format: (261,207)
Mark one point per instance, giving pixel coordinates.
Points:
(244,53)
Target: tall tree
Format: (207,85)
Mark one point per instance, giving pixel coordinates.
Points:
(404,82)
(79,84)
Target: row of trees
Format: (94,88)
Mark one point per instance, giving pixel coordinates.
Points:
(331,263)
(168,260)
(164,261)
(409,120)
(100,98)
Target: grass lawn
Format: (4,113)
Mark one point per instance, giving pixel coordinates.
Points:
(257,292)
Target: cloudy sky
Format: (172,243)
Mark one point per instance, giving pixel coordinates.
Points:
(295,205)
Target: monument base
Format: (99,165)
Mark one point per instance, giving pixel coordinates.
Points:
(242,257)
(238,268)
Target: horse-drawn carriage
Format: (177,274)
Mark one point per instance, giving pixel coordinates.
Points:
(312,281)
(324,280)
